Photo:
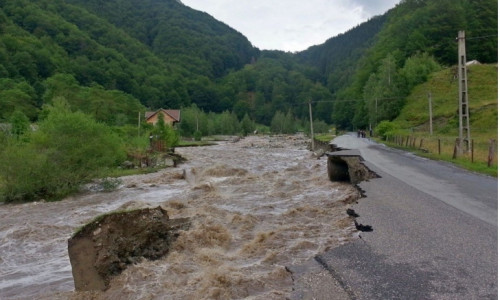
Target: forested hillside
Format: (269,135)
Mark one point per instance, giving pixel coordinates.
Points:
(337,58)
(418,38)
(113,58)
(54,48)
(178,34)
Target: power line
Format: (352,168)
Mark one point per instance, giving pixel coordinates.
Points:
(354,100)
(481,37)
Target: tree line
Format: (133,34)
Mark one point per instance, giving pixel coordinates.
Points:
(162,54)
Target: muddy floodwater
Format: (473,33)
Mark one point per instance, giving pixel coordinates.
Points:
(256,206)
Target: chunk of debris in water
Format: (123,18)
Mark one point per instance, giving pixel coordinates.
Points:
(104,247)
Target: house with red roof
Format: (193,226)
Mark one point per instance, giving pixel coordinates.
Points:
(170,116)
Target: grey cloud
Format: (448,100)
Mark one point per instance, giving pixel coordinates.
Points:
(376,7)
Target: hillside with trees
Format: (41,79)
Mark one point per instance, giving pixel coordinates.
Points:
(178,34)
(418,36)
(60,41)
(132,55)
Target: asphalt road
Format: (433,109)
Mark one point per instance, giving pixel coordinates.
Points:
(434,234)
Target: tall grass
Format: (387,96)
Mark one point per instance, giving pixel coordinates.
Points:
(443,147)
(483,107)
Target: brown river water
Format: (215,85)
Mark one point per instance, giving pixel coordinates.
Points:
(256,206)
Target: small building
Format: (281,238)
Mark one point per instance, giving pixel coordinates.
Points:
(472,62)
(170,116)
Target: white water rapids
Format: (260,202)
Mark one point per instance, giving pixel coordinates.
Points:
(256,206)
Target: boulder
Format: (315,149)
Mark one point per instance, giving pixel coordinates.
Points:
(107,245)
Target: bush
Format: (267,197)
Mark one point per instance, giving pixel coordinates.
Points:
(386,129)
(283,124)
(320,126)
(247,125)
(67,150)
(166,133)
(26,174)
(20,123)
(197,136)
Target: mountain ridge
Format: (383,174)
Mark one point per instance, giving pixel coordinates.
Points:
(165,54)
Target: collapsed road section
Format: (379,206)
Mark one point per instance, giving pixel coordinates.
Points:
(347,165)
(435,231)
(317,279)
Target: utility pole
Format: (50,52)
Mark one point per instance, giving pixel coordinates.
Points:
(312,127)
(463,96)
(429,95)
(139,125)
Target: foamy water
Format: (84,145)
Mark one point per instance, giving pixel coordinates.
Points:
(257,206)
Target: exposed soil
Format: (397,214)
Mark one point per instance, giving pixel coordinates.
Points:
(104,247)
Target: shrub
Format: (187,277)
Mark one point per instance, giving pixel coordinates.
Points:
(386,129)
(67,150)
(320,126)
(26,174)
(247,125)
(197,135)
(166,133)
(20,123)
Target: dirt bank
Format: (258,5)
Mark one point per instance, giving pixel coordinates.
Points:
(107,245)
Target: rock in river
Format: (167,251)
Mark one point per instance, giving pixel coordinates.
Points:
(104,247)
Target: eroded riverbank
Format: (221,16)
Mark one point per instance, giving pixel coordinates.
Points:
(256,206)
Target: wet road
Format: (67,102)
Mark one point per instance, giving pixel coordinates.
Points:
(434,232)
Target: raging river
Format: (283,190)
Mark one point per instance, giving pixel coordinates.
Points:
(257,206)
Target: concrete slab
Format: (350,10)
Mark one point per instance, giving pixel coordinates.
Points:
(347,153)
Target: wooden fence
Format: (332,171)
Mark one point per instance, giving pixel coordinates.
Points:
(448,147)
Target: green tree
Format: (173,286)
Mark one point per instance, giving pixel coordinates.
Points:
(320,126)
(382,92)
(283,123)
(165,132)
(20,123)
(227,123)
(67,150)
(278,123)
(386,129)
(247,125)
(417,69)
(193,119)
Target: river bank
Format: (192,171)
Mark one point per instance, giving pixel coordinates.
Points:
(257,206)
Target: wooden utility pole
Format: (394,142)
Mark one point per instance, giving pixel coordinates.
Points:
(463,97)
(491,154)
(429,95)
(312,127)
(139,125)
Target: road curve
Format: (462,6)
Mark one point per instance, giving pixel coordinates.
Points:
(434,232)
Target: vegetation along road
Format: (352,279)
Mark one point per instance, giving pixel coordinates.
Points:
(434,231)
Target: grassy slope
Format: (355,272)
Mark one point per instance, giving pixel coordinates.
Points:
(483,103)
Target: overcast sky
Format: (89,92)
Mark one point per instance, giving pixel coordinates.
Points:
(291,25)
